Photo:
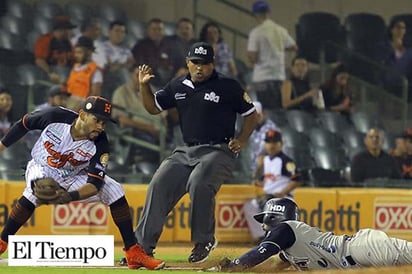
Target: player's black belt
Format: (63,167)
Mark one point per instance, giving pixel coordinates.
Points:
(192,144)
(350,260)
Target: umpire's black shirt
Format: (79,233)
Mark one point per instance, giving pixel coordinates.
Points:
(207,110)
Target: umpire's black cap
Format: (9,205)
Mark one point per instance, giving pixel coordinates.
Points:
(99,107)
(201,51)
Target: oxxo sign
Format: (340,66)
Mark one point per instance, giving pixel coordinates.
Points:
(62,250)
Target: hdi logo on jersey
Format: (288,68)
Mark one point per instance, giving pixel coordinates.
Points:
(212,97)
(80,217)
(393,214)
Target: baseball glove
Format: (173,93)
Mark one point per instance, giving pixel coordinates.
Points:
(46,189)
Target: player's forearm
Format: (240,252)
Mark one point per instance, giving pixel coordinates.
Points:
(87,191)
(249,124)
(148,98)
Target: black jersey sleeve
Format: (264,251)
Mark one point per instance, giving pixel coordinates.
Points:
(37,120)
(279,238)
(98,163)
(165,97)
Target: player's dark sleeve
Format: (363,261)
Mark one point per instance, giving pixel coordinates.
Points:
(97,166)
(165,97)
(280,238)
(37,120)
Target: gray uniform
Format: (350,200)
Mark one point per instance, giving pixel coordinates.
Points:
(313,249)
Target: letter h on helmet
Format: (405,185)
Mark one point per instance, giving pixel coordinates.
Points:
(277,210)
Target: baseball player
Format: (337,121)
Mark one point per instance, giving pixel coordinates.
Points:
(73,150)
(276,173)
(207,103)
(307,248)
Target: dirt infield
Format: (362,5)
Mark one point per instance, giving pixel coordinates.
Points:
(232,251)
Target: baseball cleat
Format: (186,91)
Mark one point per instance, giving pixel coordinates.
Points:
(136,258)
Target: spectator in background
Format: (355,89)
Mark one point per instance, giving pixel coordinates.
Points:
(296,92)
(157,52)
(336,92)
(6,103)
(397,57)
(144,125)
(181,42)
(115,55)
(374,162)
(403,153)
(91,28)
(224,62)
(53,50)
(256,144)
(277,174)
(266,48)
(85,77)
(57,96)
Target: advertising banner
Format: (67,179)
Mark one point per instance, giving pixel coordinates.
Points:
(340,210)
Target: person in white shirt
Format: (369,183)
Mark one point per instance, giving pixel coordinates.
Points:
(266,48)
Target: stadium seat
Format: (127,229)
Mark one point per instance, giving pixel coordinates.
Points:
(17,152)
(110,13)
(42,25)
(146,167)
(19,8)
(78,11)
(301,156)
(12,48)
(28,74)
(389,140)
(364,31)
(277,116)
(352,138)
(313,30)
(170,28)
(407,19)
(320,177)
(14,25)
(364,121)
(333,121)
(129,41)
(136,28)
(48,9)
(329,157)
(352,151)
(300,120)
(294,138)
(323,138)
(31,39)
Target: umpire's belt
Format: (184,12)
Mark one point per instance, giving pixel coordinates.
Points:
(192,144)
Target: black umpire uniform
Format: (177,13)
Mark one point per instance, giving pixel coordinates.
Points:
(207,113)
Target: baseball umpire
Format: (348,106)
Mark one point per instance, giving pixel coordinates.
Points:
(68,164)
(207,103)
(307,248)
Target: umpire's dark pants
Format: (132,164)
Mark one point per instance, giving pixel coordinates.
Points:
(200,171)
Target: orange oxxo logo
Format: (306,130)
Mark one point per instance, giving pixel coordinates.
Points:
(76,215)
(393,213)
(230,215)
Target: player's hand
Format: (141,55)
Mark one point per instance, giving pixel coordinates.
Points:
(224,264)
(235,145)
(62,198)
(145,74)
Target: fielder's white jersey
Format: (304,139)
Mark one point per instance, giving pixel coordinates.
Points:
(58,155)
